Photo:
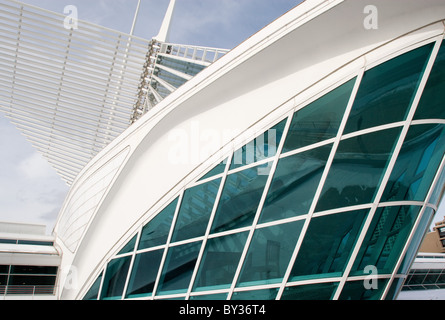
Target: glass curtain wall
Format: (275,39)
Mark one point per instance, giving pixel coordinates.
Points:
(306,209)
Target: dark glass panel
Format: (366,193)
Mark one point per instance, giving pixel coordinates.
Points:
(129,247)
(417,164)
(94,290)
(3,281)
(357,169)
(144,273)
(194,213)
(156,231)
(219,262)
(269,254)
(115,277)
(4,269)
(178,268)
(252,295)
(21,280)
(327,245)
(318,291)
(387,90)
(294,184)
(217,296)
(215,171)
(431,104)
(319,120)
(357,290)
(262,147)
(385,239)
(240,199)
(33,270)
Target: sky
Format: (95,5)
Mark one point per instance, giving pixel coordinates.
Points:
(31,191)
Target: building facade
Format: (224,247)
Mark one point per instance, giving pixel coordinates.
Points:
(306,163)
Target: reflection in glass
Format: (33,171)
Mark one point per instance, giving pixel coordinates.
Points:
(194,213)
(240,199)
(115,277)
(178,268)
(293,187)
(218,169)
(219,262)
(387,90)
(143,276)
(317,291)
(319,120)
(417,163)
(269,254)
(357,169)
(264,294)
(384,241)
(156,231)
(328,244)
(94,290)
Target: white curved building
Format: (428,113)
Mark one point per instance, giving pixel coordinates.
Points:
(297,166)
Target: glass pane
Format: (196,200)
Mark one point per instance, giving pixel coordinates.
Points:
(240,199)
(156,231)
(115,277)
(384,241)
(431,104)
(358,290)
(215,171)
(196,207)
(217,296)
(262,147)
(94,290)
(178,268)
(417,163)
(386,91)
(144,273)
(357,169)
(269,254)
(33,270)
(294,184)
(220,261)
(319,120)
(327,245)
(318,291)
(129,247)
(265,294)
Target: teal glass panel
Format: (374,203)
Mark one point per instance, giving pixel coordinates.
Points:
(144,273)
(178,268)
(293,187)
(431,103)
(219,262)
(262,147)
(94,290)
(319,120)
(156,231)
(417,163)
(357,169)
(385,239)
(215,171)
(209,297)
(416,241)
(129,247)
(194,213)
(436,196)
(269,254)
(387,90)
(359,290)
(252,295)
(394,289)
(240,199)
(318,291)
(327,245)
(115,277)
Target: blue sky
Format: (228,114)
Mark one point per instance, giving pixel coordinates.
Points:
(31,191)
